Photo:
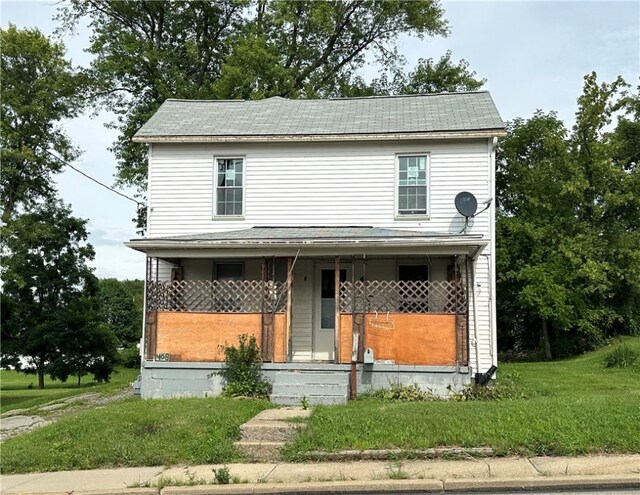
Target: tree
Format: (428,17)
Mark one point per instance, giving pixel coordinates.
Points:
(51,294)
(120,311)
(39,89)
(429,76)
(148,51)
(567,256)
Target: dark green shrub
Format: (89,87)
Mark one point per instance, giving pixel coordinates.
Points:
(621,356)
(241,370)
(129,357)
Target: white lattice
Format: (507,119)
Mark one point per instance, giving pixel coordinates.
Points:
(229,296)
(387,296)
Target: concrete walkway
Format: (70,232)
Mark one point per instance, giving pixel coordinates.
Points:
(366,476)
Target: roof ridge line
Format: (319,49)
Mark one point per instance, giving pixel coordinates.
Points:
(338,98)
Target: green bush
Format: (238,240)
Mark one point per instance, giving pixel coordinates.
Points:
(622,356)
(129,357)
(241,370)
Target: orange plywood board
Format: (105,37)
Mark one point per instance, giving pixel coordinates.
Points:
(346,338)
(280,339)
(202,336)
(419,339)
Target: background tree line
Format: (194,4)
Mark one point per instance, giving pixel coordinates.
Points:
(568,201)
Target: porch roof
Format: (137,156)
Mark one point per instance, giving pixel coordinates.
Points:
(319,238)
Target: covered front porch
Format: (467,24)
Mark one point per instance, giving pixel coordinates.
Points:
(370,311)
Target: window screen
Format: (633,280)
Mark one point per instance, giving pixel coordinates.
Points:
(412,185)
(229,190)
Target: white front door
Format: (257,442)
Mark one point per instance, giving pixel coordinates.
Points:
(324,321)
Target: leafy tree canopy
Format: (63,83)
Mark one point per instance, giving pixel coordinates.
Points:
(51,295)
(120,309)
(148,51)
(39,89)
(567,232)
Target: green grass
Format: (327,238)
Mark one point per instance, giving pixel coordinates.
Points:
(573,406)
(16,394)
(134,432)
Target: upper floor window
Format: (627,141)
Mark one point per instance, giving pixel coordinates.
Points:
(412,185)
(229,186)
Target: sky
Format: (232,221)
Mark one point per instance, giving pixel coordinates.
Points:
(533,55)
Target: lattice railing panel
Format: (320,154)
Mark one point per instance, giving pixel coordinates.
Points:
(229,296)
(402,297)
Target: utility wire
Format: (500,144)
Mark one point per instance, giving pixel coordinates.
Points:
(142,205)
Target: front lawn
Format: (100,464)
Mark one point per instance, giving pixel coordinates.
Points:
(573,406)
(19,391)
(134,432)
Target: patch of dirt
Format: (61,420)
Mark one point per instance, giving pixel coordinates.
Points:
(21,421)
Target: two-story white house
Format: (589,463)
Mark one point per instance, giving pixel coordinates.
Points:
(328,229)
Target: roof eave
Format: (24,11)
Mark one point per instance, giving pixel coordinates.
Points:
(145,245)
(480,133)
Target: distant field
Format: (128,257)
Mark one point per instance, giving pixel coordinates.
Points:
(16,394)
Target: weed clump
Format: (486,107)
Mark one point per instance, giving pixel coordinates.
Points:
(404,393)
(241,370)
(622,356)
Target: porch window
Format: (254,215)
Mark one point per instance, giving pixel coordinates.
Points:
(414,296)
(229,271)
(412,185)
(225,300)
(229,186)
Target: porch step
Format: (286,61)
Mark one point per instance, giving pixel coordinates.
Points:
(262,437)
(314,400)
(317,387)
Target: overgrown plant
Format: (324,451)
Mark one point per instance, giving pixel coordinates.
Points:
(222,476)
(241,370)
(405,393)
(622,356)
(506,387)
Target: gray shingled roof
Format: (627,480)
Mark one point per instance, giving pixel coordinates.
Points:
(277,116)
(274,234)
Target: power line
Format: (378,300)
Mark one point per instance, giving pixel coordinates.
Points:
(95,180)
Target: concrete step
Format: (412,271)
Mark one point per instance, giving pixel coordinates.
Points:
(295,400)
(268,431)
(260,451)
(320,377)
(309,389)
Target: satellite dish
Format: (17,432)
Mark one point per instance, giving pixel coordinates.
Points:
(466,204)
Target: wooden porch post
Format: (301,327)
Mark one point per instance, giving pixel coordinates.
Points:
(267,318)
(288,335)
(337,310)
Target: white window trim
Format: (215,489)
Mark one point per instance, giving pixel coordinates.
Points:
(215,187)
(396,192)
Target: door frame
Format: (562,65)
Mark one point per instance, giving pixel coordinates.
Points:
(316,305)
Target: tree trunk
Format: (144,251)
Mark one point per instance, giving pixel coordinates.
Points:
(79,376)
(40,379)
(545,340)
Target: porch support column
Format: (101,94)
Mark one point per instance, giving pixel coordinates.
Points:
(288,334)
(337,311)
(267,317)
(150,313)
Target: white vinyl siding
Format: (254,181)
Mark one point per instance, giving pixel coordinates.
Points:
(313,184)
(326,184)
(302,320)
